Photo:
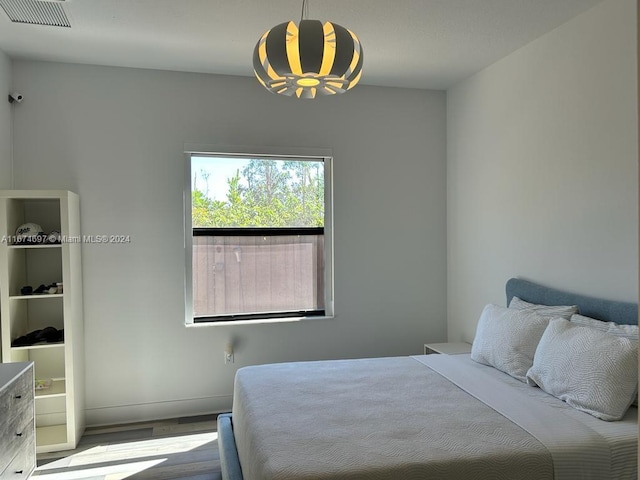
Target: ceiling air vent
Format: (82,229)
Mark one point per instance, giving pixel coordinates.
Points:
(36,12)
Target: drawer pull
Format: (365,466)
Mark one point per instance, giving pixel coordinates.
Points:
(19,434)
(19,472)
(18,396)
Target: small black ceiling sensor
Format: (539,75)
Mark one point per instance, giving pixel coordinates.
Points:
(15,97)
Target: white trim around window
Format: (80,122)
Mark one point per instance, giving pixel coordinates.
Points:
(326,156)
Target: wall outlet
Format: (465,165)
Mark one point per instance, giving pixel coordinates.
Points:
(228,354)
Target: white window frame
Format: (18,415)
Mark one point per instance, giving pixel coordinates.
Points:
(277,153)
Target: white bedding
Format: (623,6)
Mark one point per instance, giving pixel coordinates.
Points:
(396,418)
(606,449)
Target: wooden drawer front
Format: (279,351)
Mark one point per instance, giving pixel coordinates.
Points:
(22,464)
(19,391)
(18,425)
(17,434)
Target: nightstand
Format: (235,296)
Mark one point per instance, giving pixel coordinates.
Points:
(447,348)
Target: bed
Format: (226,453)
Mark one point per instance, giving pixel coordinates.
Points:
(453,416)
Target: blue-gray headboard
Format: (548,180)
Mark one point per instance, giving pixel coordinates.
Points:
(606,310)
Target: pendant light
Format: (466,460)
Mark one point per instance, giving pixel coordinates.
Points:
(308,59)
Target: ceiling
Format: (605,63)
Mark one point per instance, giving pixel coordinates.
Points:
(407,43)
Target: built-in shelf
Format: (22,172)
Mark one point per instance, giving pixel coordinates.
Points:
(51,438)
(59,409)
(47,245)
(57,389)
(39,346)
(30,297)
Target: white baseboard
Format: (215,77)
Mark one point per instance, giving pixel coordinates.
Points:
(143,412)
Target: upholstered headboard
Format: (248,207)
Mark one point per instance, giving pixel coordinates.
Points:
(606,310)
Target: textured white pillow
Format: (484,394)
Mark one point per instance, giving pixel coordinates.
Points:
(627,331)
(592,371)
(612,328)
(549,311)
(507,338)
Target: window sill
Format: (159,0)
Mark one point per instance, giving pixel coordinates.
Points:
(258,321)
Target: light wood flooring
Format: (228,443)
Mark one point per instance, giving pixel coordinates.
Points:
(182,448)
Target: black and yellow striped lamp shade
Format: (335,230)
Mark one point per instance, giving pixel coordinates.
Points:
(308,60)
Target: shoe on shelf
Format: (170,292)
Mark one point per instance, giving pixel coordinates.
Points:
(26,340)
(45,335)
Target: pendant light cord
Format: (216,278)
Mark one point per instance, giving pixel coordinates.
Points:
(305,10)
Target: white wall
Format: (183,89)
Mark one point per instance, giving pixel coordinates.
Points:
(5,121)
(542,168)
(116,137)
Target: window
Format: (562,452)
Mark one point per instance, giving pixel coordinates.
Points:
(258,237)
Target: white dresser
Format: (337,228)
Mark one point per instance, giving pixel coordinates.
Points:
(17,421)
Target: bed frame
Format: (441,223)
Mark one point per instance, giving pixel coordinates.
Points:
(605,310)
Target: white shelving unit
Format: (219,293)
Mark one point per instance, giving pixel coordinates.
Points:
(60,408)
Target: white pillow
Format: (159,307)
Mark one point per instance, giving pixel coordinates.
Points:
(612,328)
(507,339)
(591,370)
(549,311)
(627,331)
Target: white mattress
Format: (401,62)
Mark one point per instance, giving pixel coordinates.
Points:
(392,418)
